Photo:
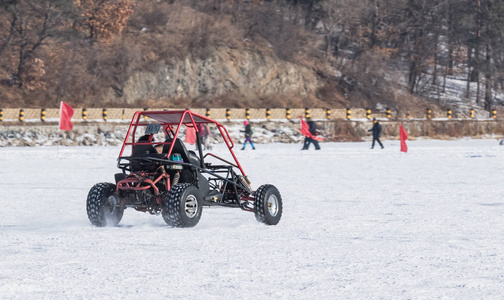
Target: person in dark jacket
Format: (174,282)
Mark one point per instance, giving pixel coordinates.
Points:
(248,135)
(376,129)
(312,127)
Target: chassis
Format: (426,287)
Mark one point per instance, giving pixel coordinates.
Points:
(174,182)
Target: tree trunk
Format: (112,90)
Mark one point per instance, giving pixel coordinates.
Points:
(468,87)
(488,78)
(478,91)
(475,76)
(11,33)
(20,64)
(450,40)
(328,45)
(477,53)
(434,72)
(413,75)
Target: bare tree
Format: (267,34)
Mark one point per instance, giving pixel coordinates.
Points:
(112,65)
(105,18)
(31,23)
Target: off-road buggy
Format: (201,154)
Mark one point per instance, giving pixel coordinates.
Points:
(160,176)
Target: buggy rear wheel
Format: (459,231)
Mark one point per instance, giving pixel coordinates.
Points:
(268,205)
(183,206)
(102,207)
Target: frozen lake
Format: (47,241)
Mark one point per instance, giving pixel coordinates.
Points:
(357,223)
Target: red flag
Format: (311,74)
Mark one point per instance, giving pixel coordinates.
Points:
(404,136)
(305,130)
(190,135)
(66,114)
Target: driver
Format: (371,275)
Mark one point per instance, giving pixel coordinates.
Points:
(139,150)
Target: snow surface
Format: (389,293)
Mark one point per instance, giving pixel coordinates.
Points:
(357,224)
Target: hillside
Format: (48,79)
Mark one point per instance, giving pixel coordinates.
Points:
(157,53)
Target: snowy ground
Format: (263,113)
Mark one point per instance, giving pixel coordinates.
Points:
(357,224)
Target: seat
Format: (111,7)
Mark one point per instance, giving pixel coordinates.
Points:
(179,147)
(193,158)
(189,156)
(144,151)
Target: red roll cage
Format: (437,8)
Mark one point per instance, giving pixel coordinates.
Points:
(168,119)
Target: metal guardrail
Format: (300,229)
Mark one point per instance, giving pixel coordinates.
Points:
(266,114)
(108,114)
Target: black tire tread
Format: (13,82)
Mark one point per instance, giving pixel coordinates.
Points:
(172,207)
(95,201)
(260,210)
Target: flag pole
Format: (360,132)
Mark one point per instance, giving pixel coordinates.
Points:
(59,119)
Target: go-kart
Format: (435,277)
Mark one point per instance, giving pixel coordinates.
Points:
(160,176)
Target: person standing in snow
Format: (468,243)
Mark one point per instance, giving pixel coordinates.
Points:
(312,128)
(376,129)
(248,135)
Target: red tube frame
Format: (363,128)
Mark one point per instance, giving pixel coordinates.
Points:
(135,122)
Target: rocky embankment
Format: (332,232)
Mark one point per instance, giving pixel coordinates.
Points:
(112,134)
(99,134)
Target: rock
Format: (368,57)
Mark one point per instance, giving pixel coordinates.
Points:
(264,132)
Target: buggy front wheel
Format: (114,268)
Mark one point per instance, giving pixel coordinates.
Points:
(268,205)
(102,207)
(183,206)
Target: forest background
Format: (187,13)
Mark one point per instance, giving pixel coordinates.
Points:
(399,54)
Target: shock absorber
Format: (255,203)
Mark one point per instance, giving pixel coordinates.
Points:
(246,183)
(176,178)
